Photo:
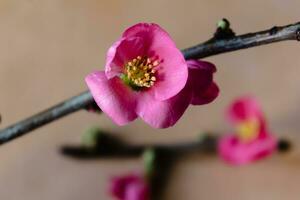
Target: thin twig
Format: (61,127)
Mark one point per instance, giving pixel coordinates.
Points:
(66,107)
(212,47)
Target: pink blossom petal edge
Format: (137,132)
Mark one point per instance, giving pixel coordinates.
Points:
(245,108)
(129,187)
(137,191)
(118,185)
(163,114)
(206,97)
(237,153)
(200,89)
(122,51)
(150,40)
(173,70)
(204,89)
(113,97)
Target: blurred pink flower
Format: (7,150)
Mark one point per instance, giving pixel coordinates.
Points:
(251,140)
(129,187)
(147,76)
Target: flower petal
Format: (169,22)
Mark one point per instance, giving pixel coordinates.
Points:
(235,152)
(113,97)
(201,81)
(172,71)
(209,95)
(244,108)
(120,53)
(137,191)
(201,65)
(119,184)
(163,114)
(138,30)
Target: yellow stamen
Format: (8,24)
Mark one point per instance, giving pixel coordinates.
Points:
(248,130)
(140,71)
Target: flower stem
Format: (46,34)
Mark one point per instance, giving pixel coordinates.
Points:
(211,47)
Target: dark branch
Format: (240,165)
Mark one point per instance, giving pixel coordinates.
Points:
(69,106)
(209,48)
(109,147)
(214,47)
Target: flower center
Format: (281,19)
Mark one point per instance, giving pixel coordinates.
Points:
(140,72)
(248,130)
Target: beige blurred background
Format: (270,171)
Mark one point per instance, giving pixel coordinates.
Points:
(48,46)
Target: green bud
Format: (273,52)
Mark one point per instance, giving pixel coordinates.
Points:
(91,137)
(223,24)
(203,136)
(149,160)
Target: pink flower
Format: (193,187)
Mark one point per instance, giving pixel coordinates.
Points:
(130,187)
(147,76)
(251,140)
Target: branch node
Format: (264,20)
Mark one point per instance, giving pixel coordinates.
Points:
(298,34)
(273,30)
(223,30)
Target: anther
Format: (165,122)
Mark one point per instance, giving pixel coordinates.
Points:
(155,63)
(140,71)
